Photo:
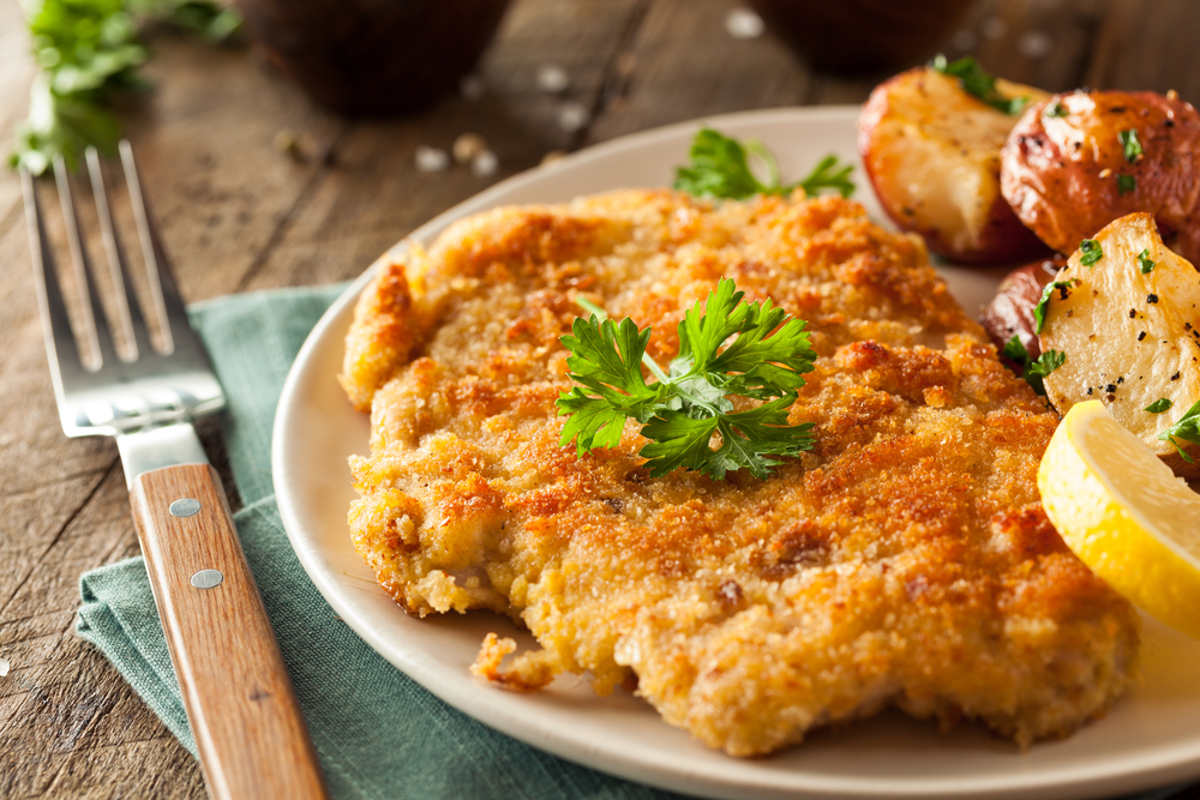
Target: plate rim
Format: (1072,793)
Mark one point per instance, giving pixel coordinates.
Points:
(1105,778)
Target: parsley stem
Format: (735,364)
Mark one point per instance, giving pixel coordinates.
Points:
(768,158)
(601,314)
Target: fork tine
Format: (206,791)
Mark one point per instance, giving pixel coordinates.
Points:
(61,347)
(95,321)
(168,304)
(133,322)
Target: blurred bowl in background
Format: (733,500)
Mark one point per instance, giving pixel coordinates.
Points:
(852,36)
(373,57)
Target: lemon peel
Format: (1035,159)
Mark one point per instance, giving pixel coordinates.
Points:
(1125,514)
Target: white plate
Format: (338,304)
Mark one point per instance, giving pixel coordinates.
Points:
(1151,738)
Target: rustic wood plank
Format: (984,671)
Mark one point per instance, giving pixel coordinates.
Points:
(1139,46)
(373,195)
(683,63)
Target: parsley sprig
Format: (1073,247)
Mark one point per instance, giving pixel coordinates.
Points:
(87,49)
(1187,429)
(720,167)
(689,404)
(978,82)
(1036,371)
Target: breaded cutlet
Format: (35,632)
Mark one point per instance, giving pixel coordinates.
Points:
(905,561)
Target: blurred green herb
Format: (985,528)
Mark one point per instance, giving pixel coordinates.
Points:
(1126,184)
(1039,311)
(1091,252)
(977,81)
(720,167)
(1159,406)
(1056,110)
(1034,373)
(1144,262)
(86,50)
(1130,144)
(1187,429)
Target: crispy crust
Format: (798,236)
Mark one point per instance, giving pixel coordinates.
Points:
(904,561)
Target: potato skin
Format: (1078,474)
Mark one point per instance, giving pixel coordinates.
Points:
(1011,311)
(1060,173)
(932,153)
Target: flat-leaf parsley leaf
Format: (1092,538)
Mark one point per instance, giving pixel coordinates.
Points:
(686,407)
(720,167)
(1187,429)
(980,83)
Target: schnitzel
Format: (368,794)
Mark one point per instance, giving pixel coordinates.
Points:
(904,561)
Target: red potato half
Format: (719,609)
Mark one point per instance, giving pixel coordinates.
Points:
(932,152)
(1064,163)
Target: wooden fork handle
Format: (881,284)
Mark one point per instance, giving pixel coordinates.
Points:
(249,731)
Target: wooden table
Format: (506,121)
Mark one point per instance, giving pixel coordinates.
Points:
(238,214)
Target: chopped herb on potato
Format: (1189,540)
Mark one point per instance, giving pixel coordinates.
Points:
(1131,145)
(977,81)
(1092,252)
(1143,259)
(1159,406)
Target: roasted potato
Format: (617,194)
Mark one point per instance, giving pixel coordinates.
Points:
(1070,166)
(1129,327)
(932,152)
(1011,311)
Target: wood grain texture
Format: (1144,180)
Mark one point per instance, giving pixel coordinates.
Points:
(238,214)
(249,730)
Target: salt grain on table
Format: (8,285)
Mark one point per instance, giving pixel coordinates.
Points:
(484,164)
(1034,44)
(552,78)
(744,24)
(963,40)
(431,159)
(467,146)
(993,28)
(4,667)
(573,117)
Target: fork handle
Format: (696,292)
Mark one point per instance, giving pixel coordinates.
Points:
(249,731)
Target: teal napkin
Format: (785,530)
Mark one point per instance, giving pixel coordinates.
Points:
(378,733)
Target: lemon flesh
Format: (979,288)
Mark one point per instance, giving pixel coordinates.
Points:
(1125,514)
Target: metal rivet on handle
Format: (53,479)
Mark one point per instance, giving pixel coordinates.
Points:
(207,579)
(184,507)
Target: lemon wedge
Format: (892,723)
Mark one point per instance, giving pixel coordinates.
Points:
(1125,514)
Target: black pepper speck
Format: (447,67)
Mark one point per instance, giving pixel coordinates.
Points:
(1151,298)
(1141,336)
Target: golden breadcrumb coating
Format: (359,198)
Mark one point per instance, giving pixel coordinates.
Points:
(905,561)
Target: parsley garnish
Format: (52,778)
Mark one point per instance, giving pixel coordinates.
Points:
(1130,144)
(1126,184)
(1056,110)
(684,408)
(720,168)
(1187,429)
(86,49)
(1016,351)
(1158,406)
(1092,252)
(1039,311)
(1034,373)
(977,81)
(1047,362)
(1143,259)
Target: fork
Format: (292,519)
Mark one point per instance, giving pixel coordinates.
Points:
(250,734)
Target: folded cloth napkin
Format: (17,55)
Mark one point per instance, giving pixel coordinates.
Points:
(378,733)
